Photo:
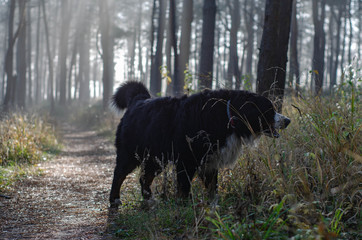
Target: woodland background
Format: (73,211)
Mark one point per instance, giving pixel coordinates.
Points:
(61,60)
(57,52)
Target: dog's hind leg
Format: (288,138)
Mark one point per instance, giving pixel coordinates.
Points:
(123,168)
(184,178)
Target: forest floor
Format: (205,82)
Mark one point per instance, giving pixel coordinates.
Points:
(69,198)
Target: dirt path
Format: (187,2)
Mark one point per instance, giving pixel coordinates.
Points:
(70,199)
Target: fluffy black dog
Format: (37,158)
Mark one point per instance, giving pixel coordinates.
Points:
(200,133)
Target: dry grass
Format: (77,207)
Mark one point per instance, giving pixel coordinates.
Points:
(24,139)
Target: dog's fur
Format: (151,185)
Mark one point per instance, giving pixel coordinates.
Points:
(200,133)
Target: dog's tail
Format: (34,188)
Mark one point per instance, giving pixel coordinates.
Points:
(126,92)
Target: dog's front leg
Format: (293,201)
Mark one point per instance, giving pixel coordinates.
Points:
(209,178)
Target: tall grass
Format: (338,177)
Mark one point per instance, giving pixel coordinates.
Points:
(304,185)
(314,169)
(24,139)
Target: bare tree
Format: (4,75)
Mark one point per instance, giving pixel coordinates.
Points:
(207,43)
(10,84)
(29,55)
(21,58)
(294,62)
(155,82)
(84,47)
(233,66)
(273,50)
(185,42)
(337,17)
(249,24)
(50,93)
(63,50)
(319,44)
(37,57)
(172,45)
(107,42)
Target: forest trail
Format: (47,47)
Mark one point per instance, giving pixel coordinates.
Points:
(69,200)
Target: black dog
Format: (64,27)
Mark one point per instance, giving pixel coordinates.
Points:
(203,132)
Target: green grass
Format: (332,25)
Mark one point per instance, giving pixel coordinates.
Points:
(25,139)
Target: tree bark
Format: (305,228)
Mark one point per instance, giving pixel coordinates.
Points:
(294,63)
(273,50)
(139,41)
(84,47)
(21,58)
(233,65)
(155,82)
(63,50)
(50,95)
(185,42)
(319,45)
(335,61)
(37,53)
(10,80)
(249,24)
(207,44)
(107,42)
(29,56)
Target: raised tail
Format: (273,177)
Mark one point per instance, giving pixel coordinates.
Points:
(126,92)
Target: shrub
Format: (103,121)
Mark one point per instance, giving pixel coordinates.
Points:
(24,139)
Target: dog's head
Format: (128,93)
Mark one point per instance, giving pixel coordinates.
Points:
(259,116)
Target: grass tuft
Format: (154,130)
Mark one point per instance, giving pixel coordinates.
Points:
(25,139)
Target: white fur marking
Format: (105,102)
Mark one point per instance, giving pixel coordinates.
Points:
(228,154)
(279,121)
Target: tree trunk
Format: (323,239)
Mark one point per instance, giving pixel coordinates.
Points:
(10,80)
(249,24)
(37,52)
(131,42)
(84,47)
(273,50)
(50,95)
(29,54)
(71,67)
(107,42)
(21,57)
(63,50)
(172,45)
(139,41)
(155,82)
(185,42)
(337,49)
(233,65)
(359,35)
(169,84)
(218,54)
(207,44)
(294,63)
(319,45)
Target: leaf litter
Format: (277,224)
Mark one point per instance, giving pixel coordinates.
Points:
(69,199)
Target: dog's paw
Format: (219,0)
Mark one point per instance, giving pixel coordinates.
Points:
(116,203)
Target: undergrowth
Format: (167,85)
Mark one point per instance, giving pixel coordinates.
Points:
(304,185)
(25,139)
(96,118)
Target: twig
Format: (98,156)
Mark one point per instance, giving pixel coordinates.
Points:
(300,112)
(4,196)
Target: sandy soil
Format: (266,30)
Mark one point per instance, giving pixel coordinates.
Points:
(70,199)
